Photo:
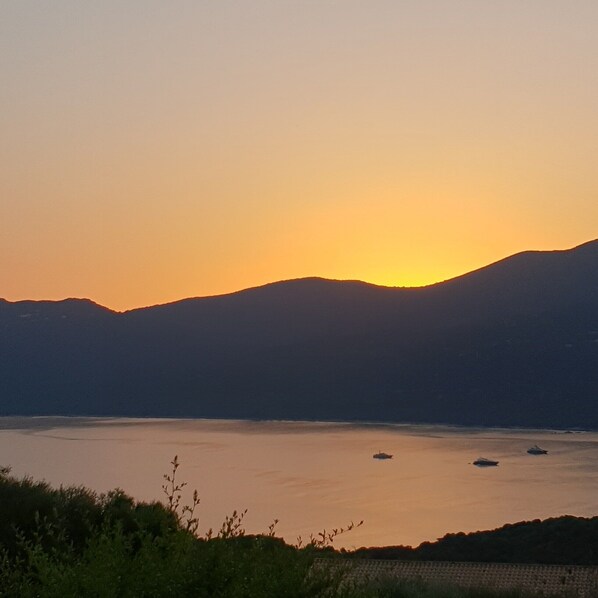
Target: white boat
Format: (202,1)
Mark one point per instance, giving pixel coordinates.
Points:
(536,450)
(382,455)
(483,462)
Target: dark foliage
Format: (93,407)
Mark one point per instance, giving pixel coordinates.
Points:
(63,518)
(70,542)
(558,541)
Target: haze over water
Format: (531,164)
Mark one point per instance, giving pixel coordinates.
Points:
(313,476)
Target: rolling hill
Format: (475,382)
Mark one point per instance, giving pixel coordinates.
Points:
(514,344)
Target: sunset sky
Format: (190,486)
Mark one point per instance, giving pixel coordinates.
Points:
(151,151)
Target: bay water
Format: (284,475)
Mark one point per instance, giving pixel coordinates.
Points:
(313,476)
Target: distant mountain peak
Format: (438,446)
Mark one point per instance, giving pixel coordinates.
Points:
(514,343)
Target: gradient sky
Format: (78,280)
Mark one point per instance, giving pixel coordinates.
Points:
(151,151)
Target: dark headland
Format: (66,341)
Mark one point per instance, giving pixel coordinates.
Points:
(511,344)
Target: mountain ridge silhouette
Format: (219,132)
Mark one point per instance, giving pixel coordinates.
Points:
(513,343)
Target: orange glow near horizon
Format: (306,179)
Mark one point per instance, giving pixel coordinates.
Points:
(151,154)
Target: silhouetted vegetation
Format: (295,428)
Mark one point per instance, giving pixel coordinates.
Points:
(558,541)
(73,542)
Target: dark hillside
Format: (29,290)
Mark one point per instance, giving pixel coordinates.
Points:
(558,541)
(514,343)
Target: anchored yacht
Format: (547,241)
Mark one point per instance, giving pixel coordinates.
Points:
(382,455)
(536,450)
(483,462)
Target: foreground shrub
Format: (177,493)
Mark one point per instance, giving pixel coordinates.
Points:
(71,542)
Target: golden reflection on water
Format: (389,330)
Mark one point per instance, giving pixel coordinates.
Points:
(313,476)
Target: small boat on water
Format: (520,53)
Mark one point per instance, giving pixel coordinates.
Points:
(381,455)
(536,450)
(483,462)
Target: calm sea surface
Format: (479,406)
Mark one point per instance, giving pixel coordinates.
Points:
(313,476)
